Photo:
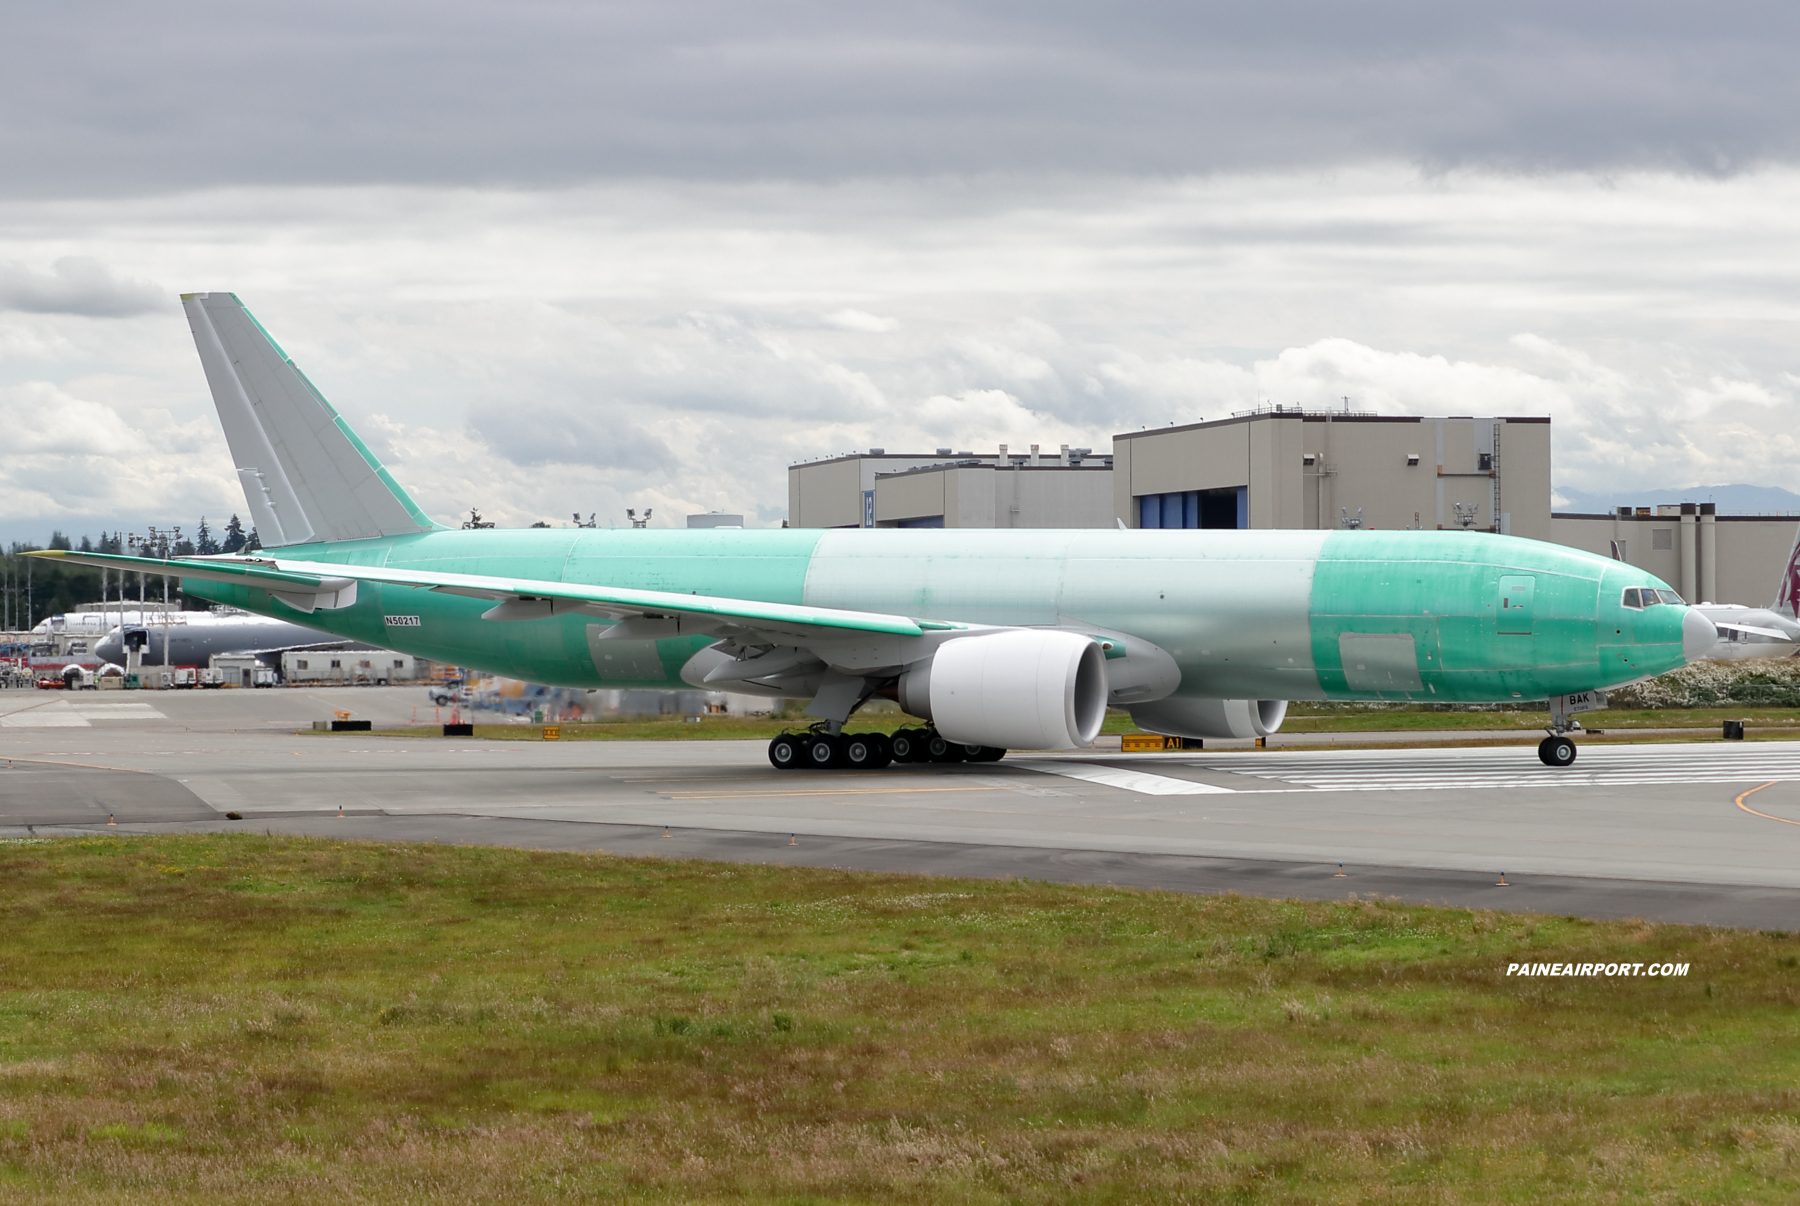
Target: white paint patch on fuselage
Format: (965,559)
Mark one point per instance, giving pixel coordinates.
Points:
(1232,608)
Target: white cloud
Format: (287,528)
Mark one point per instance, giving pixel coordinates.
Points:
(72,459)
(77,284)
(678,345)
(861,320)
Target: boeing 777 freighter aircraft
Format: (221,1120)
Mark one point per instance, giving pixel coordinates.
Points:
(1001,639)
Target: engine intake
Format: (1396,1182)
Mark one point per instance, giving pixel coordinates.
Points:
(1019,690)
(1211,717)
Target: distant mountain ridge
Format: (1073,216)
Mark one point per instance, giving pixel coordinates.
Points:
(1730,500)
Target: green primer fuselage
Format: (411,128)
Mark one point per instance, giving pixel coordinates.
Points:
(1244,614)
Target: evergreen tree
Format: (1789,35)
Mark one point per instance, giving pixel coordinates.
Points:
(58,541)
(204,544)
(234,536)
(87,546)
(254,544)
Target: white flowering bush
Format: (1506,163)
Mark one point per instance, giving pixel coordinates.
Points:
(1765,682)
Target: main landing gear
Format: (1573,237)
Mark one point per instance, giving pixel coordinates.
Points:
(819,749)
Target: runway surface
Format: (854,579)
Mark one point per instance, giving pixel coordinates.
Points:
(1650,830)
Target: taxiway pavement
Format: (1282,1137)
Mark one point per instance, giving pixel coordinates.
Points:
(1661,831)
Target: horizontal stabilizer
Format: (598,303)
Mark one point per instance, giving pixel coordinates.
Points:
(306,475)
(302,592)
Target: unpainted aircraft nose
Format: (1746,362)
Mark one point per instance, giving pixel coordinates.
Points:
(1698,636)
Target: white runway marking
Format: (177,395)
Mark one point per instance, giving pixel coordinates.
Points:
(1129,780)
(118,711)
(51,716)
(66,714)
(1513,767)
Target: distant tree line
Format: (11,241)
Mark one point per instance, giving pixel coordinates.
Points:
(32,588)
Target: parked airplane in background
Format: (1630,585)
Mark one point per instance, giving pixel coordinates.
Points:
(1747,632)
(1751,632)
(69,640)
(193,637)
(1002,639)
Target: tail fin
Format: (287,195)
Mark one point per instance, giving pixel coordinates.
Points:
(1787,595)
(306,476)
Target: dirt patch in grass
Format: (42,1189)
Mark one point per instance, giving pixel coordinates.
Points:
(236,1018)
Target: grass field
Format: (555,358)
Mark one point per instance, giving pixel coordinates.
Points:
(247,1019)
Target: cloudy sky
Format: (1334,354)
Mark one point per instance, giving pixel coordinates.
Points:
(551,257)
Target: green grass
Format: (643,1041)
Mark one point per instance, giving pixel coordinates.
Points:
(238,1018)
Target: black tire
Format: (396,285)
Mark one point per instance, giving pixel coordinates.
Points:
(884,749)
(987,753)
(785,752)
(824,750)
(905,745)
(1556,751)
(939,750)
(861,751)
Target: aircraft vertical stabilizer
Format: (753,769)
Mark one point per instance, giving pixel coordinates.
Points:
(1787,595)
(306,475)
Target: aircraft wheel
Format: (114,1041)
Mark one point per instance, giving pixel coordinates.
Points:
(1556,751)
(939,750)
(905,745)
(784,752)
(986,753)
(861,751)
(824,750)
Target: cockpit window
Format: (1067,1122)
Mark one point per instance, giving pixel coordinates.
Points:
(1648,596)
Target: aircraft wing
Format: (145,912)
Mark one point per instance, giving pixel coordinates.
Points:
(646,614)
(1773,634)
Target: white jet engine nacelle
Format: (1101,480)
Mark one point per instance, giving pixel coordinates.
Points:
(1016,690)
(1211,717)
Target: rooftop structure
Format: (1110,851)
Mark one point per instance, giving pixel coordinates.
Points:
(1071,488)
(1288,468)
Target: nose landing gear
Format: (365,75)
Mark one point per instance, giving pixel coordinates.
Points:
(1556,750)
